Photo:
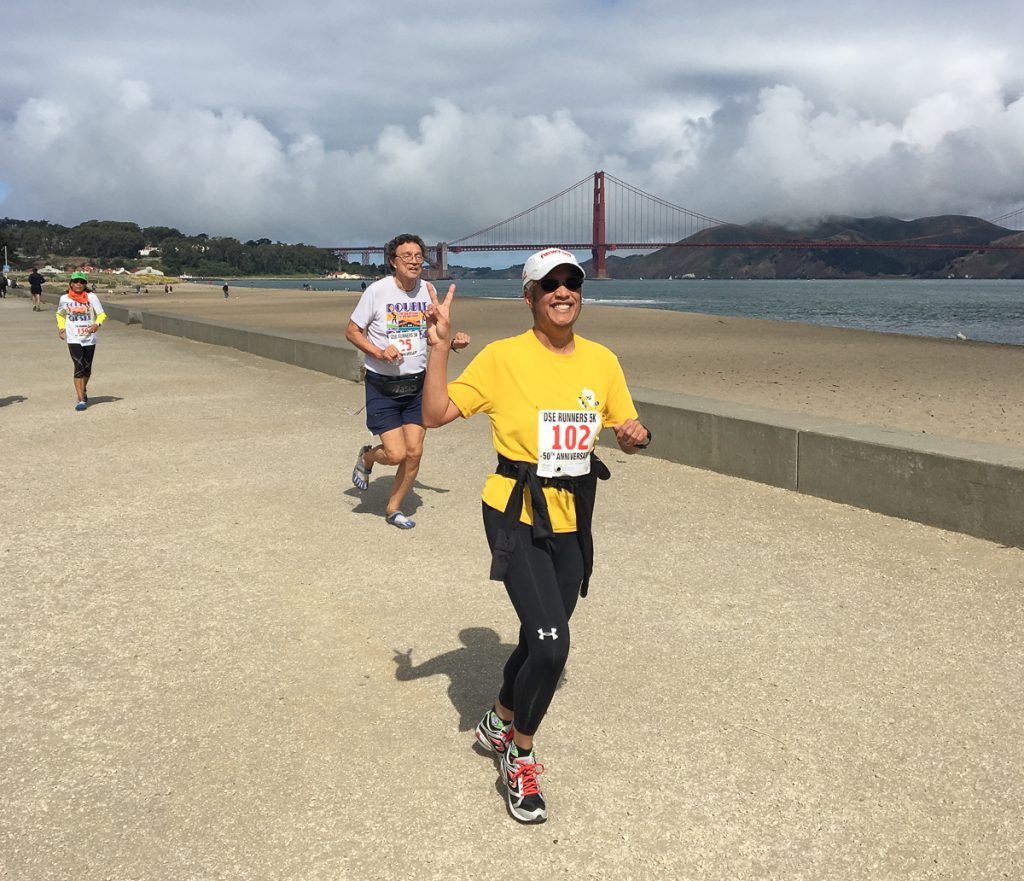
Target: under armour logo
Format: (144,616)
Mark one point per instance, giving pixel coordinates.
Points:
(553,634)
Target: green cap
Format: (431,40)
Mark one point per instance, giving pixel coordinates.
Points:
(79,276)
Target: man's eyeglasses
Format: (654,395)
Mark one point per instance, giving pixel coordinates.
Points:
(572,283)
(410,258)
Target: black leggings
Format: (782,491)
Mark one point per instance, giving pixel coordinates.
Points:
(543,582)
(81,357)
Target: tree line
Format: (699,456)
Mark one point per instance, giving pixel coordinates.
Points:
(113,243)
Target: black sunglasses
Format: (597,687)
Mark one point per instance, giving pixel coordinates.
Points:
(572,283)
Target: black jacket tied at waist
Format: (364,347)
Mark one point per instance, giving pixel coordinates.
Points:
(584,491)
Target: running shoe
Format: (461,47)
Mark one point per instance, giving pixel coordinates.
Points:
(397,518)
(491,737)
(81,405)
(525,801)
(361,474)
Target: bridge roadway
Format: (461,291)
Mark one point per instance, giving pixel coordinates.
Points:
(205,629)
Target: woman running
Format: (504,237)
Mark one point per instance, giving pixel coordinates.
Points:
(79,316)
(548,392)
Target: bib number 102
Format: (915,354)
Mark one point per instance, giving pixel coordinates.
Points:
(570,437)
(565,439)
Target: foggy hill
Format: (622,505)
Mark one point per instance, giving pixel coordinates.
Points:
(769,262)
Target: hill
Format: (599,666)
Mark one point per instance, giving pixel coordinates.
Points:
(718,260)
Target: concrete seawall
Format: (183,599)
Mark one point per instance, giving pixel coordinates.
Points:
(973,488)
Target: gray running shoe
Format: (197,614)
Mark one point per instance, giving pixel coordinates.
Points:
(361,474)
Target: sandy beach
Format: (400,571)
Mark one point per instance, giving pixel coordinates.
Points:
(951,388)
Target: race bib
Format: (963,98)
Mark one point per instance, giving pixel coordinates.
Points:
(408,342)
(565,439)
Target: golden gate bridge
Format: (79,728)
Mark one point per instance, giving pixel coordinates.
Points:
(601,213)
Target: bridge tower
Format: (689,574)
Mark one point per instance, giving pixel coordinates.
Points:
(439,257)
(599,247)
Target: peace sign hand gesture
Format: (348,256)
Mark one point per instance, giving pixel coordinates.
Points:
(439,318)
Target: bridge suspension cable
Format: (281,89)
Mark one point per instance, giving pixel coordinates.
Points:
(597,213)
(630,215)
(563,217)
(1011,220)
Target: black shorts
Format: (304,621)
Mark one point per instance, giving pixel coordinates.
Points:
(385,414)
(81,357)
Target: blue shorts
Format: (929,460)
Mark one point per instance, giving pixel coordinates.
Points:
(385,414)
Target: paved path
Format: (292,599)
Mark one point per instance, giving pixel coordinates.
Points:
(217,661)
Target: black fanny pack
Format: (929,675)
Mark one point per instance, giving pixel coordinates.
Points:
(396,386)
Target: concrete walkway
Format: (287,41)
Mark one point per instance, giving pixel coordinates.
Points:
(218,661)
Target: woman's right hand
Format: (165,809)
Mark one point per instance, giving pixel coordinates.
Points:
(439,318)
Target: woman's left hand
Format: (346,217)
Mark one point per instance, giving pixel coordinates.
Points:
(630,434)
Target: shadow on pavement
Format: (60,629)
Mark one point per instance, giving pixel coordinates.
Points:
(375,499)
(474,672)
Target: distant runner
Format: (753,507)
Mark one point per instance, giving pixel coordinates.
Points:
(35,289)
(548,394)
(79,316)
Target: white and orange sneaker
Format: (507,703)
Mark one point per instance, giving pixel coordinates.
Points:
(493,733)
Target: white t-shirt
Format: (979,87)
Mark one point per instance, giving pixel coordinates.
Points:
(391,316)
(77,317)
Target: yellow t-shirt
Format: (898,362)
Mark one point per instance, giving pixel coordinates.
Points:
(518,383)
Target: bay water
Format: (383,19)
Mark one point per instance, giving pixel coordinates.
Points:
(984,310)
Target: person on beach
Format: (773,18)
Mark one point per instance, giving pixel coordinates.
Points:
(3,285)
(225,289)
(548,393)
(35,289)
(79,316)
(389,326)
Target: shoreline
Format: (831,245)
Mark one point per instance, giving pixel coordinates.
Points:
(927,385)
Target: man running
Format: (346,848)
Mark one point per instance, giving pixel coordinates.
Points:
(389,327)
(35,289)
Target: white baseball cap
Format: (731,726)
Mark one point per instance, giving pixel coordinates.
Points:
(540,264)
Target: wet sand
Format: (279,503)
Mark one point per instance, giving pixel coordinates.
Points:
(952,388)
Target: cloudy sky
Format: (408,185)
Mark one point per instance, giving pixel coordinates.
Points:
(343,123)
